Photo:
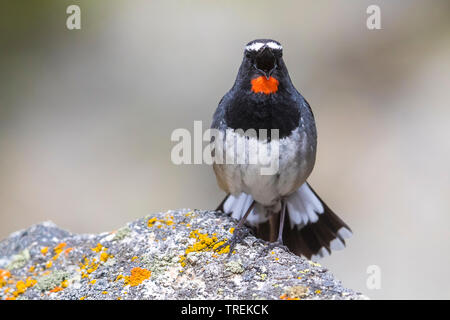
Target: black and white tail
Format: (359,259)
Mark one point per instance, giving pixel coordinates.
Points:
(310,228)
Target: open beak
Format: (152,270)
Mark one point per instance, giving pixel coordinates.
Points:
(265,61)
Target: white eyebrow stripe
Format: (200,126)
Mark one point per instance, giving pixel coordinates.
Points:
(274,45)
(254,46)
(258,45)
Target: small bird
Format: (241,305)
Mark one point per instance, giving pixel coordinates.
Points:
(281,208)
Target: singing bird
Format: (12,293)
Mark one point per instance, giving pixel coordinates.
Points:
(280,207)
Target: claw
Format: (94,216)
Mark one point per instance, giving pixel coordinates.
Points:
(273,245)
(239,235)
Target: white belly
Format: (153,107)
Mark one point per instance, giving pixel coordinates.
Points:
(270,178)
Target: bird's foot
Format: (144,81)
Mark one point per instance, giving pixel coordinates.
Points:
(272,245)
(239,235)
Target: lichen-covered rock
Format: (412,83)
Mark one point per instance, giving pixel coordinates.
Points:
(171,255)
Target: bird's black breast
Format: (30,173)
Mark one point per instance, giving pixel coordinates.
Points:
(260,111)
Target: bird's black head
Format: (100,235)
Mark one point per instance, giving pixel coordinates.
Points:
(263,68)
(263,96)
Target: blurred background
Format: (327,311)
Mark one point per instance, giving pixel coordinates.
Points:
(86,118)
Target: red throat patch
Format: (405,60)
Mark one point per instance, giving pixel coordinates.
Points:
(264,85)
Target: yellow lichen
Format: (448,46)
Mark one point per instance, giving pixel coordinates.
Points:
(304,271)
(30,282)
(167,221)
(119,277)
(22,286)
(314,264)
(105,256)
(203,243)
(98,248)
(88,267)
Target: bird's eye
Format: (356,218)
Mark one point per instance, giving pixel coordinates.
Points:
(248,54)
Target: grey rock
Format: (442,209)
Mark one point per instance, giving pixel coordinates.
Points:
(168,255)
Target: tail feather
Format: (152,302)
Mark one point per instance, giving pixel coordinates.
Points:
(324,231)
(310,229)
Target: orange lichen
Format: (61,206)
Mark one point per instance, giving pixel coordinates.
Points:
(59,248)
(67,251)
(264,85)
(286,297)
(138,275)
(44,250)
(49,264)
(4,275)
(134,258)
(56,289)
(32,268)
(82,298)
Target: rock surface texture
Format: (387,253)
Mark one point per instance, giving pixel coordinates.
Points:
(171,255)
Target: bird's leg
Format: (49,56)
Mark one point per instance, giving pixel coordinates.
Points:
(239,232)
(279,242)
(282,215)
(220,207)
